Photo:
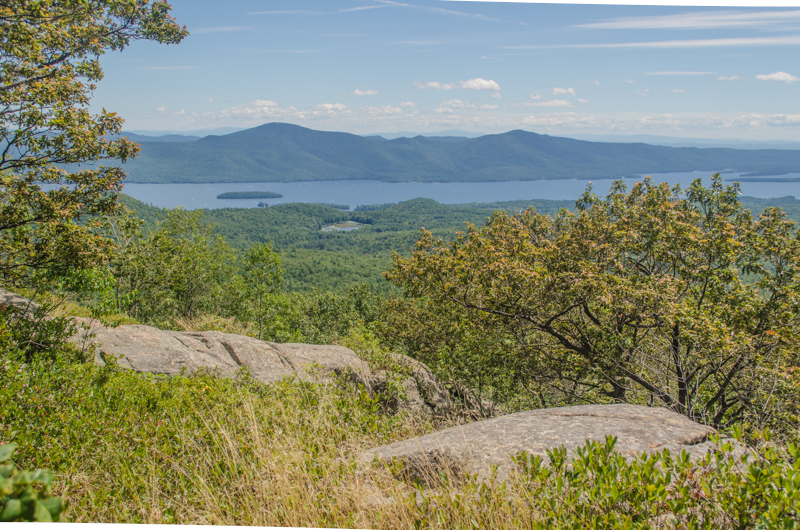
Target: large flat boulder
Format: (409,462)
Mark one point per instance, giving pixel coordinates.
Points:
(475,447)
(152,350)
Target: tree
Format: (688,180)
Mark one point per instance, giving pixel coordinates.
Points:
(177,270)
(648,296)
(50,53)
(263,274)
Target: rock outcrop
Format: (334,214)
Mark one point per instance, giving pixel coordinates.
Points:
(149,349)
(475,447)
(25,306)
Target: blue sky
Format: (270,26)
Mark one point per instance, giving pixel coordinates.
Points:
(365,66)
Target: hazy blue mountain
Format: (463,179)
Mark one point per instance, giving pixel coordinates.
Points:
(284,152)
(197,132)
(163,138)
(672,141)
(453,133)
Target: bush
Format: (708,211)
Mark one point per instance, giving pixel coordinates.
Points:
(25,495)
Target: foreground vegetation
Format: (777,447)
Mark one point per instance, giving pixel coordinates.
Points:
(647,296)
(127,447)
(201,449)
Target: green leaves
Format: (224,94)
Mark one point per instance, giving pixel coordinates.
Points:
(645,296)
(49,51)
(25,495)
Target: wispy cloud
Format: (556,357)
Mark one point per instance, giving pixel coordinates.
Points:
(221,29)
(252,50)
(472,84)
(360,8)
(662,122)
(368,92)
(680,73)
(305,12)
(537,101)
(168,68)
(778,76)
(700,20)
(453,104)
(563,91)
(730,78)
(439,10)
(789,40)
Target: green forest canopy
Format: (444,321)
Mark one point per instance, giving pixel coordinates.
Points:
(339,260)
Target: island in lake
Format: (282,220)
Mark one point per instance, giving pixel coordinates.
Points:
(249,195)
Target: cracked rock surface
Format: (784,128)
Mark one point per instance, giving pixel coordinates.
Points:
(148,349)
(475,447)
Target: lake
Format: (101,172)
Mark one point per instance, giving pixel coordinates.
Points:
(358,192)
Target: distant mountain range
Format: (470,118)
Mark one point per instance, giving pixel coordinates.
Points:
(281,152)
(671,141)
(140,138)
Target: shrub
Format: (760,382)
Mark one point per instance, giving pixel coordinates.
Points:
(25,495)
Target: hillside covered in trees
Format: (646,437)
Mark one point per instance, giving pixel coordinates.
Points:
(282,152)
(314,259)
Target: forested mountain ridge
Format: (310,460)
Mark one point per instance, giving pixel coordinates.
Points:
(280,152)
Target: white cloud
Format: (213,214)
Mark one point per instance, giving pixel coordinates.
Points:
(388,110)
(680,73)
(434,85)
(497,95)
(489,107)
(690,43)
(662,122)
(563,91)
(407,104)
(480,84)
(210,100)
(676,90)
(730,78)
(161,109)
(331,106)
(595,82)
(472,84)
(453,104)
(181,112)
(700,20)
(551,103)
(367,92)
(360,8)
(629,81)
(583,101)
(778,76)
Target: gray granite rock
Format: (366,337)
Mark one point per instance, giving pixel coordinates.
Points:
(475,447)
(149,349)
(26,307)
